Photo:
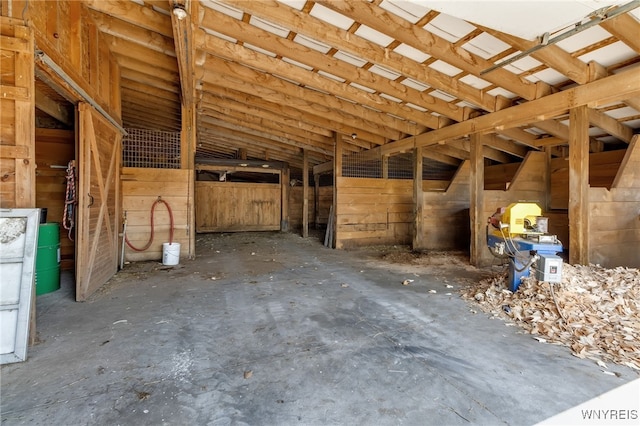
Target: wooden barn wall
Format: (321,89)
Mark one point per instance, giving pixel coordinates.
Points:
(140,189)
(65,32)
(445,215)
(614,215)
(325,199)
(603,167)
(55,147)
(526,186)
(17,119)
(237,206)
(373,211)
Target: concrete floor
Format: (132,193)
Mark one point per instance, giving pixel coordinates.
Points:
(273,329)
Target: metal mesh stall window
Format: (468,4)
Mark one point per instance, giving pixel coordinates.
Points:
(362,164)
(151,149)
(401,166)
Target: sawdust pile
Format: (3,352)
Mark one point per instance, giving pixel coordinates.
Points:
(597,313)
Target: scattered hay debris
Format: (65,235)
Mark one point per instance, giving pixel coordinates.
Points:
(600,307)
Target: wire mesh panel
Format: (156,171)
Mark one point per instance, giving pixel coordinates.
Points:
(362,164)
(401,166)
(151,149)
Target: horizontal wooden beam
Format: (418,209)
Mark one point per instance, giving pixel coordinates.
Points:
(620,86)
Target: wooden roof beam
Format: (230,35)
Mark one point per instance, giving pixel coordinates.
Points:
(274,66)
(633,103)
(379,19)
(58,110)
(610,125)
(553,56)
(135,14)
(510,147)
(279,91)
(184,48)
(625,28)
(614,88)
(248,33)
(258,123)
(303,23)
(366,139)
(251,109)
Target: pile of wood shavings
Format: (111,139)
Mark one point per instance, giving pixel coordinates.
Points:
(599,316)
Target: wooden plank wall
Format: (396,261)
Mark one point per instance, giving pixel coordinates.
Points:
(446,214)
(373,211)
(614,215)
(295,206)
(237,206)
(603,167)
(140,189)
(17,119)
(65,31)
(55,147)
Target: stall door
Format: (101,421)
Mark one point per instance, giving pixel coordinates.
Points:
(237,206)
(98,209)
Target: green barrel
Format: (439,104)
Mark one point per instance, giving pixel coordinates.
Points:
(48,258)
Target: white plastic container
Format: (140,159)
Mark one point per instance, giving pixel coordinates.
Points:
(170,253)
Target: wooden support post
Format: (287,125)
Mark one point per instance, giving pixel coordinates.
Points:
(316,200)
(478,222)
(579,185)
(385,167)
(547,180)
(187,161)
(242,153)
(418,201)
(337,172)
(284,183)
(305,193)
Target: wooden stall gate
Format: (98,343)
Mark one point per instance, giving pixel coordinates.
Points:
(241,206)
(98,202)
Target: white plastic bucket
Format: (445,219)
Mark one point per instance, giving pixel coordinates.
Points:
(170,253)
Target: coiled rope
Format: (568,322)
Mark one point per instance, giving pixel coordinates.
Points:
(153,207)
(68,216)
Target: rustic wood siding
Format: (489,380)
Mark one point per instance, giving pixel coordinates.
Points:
(237,206)
(603,167)
(614,215)
(65,31)
(325,199)
(373,211)
(446,214)
(140,189)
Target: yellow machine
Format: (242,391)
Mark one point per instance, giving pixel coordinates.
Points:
(518,219)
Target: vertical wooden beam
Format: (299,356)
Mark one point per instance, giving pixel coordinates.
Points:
(418,200)
(337,172)
(316,200)
(476,210)
(579,185)
(25,124)
(284,184)
(187,161)
(305,193)
(385,167)
(547,179)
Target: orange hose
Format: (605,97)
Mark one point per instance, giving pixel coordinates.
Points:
(153,207)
